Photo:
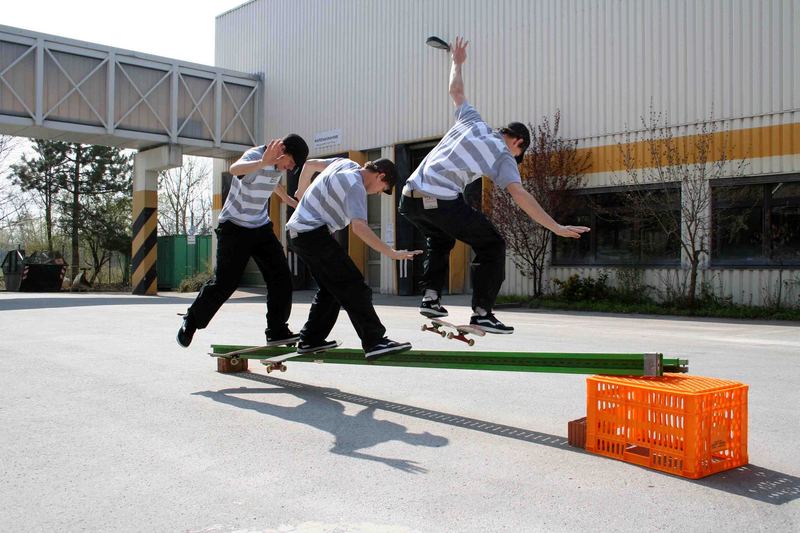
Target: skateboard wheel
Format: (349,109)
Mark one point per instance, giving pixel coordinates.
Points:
(269,370)
(423,328)
(471,342)
(283,368)
(235,361)
(443,334)
(449,335)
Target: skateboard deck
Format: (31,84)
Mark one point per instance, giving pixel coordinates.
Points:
(462,330)
(245,353)
(276,363)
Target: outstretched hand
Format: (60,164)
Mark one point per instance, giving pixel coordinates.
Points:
(573,232)
(458,51)
(398,255)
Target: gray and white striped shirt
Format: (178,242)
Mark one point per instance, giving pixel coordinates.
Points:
(247,203)
(334,198)
(469,150)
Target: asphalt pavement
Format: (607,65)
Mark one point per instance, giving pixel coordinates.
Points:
(108,425)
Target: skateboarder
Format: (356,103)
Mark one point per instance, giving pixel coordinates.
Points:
(433,201)
(338,198)
(245,231)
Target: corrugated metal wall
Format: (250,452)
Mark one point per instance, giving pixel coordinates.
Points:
(363,65)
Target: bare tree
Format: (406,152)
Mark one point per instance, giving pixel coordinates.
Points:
(12,204)
(184,198)
(551,170)
(676,172)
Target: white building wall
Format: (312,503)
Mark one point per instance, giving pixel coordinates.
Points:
(361,65)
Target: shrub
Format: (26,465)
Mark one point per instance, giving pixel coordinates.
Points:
(577,289)
(193,283)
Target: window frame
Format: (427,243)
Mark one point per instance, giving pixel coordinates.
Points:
(766,183)
(593,235)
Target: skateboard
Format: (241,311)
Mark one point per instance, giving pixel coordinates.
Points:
(276,363)
(462,330)
(237,355)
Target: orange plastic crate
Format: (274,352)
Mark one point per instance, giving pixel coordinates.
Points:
(690,426)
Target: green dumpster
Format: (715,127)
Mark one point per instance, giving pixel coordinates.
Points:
(180,257)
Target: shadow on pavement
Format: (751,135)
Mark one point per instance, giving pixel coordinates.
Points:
(756,483)
(751,481)
(83,300)
(319,410)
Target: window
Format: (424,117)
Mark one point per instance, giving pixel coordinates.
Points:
(618,236)
(756,224)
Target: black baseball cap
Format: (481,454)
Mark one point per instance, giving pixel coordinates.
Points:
(295,146)
(519,131)
(385,166)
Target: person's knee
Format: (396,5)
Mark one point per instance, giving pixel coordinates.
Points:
(441,246)
(493,249)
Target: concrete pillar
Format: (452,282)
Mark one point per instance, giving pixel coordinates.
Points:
(388,270)
(146,166)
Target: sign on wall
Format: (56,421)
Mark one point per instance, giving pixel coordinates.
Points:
(327,139)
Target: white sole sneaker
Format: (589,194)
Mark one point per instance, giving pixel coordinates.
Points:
(394,348)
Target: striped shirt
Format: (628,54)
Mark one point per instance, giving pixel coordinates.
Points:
(469,150)
(334,198)
(247,203)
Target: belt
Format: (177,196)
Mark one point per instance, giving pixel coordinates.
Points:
(412,193)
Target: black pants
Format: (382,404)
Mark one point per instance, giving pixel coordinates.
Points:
(451,220)
(341,285)
(235,246)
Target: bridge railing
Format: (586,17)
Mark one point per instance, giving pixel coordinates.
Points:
(84,92)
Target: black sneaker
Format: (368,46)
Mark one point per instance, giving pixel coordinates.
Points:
(386,346)
(432,309)
(310,347)
(282,337)
(186,332)
(490,324)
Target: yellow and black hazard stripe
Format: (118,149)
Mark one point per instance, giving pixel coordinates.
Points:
(143,261)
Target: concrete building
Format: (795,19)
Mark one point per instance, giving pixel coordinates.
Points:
(354,77)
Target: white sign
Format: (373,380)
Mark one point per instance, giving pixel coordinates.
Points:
(190,239)
(327,139)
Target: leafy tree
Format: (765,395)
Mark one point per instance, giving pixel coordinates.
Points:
(40,175)
(551,170)
(88,172)
(107,230)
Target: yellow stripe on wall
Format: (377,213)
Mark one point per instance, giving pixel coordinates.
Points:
(750,143)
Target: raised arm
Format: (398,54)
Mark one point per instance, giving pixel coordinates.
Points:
(311,167)
(272,155)
(459,55)
(280,191)
(530,205)
(365,233)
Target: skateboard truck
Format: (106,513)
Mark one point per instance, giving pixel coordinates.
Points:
(461,337)
(439,326)
(274,366)
(436,328)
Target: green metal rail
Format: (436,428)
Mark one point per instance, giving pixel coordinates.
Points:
(566,363)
